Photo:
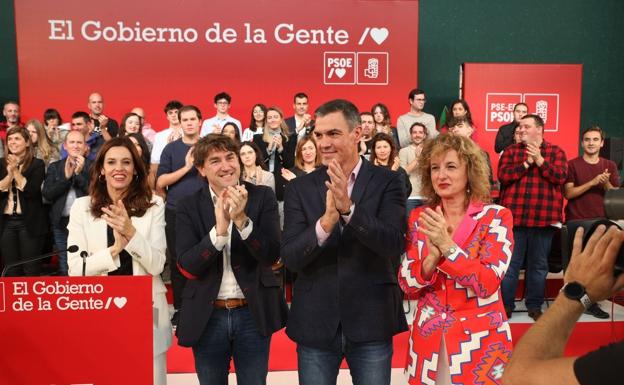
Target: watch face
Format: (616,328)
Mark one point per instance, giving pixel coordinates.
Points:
(574,290)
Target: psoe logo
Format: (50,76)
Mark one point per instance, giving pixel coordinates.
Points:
(499,108)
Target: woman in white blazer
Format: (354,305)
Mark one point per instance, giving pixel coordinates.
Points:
(121,225)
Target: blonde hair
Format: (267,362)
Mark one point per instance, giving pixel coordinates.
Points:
(45,148)
(477,170)
(266,133)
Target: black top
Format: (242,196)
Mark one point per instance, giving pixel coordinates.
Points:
(504,136)
(601,366)
(30,199)
(126,260)
(285,159)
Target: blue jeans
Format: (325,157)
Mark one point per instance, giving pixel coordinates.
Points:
(534,243)
(60,240)
(369,363)
(232,334)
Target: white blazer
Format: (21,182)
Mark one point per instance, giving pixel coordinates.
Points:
(147,249)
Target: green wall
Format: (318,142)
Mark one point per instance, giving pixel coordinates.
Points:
(457,31)
(530,31)
(8,57)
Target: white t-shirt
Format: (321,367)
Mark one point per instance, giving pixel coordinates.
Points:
(160,141)
(248,134)
(207,125)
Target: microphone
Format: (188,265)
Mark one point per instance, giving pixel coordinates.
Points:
(84,255)
(71,249)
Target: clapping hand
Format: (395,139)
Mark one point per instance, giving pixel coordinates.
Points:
(434,226)
(338,183)
(602,179)
(117,218)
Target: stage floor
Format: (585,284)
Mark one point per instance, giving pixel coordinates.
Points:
(589,334)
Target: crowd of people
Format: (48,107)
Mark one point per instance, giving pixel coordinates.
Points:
(358,211)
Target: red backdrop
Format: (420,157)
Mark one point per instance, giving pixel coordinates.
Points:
(76,330)
(257,51)
(552,91)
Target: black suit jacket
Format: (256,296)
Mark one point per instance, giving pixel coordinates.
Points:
(292,124)
(56,187)
(30,199)
(504,136)
(284,160)
(251,259)
(351,280)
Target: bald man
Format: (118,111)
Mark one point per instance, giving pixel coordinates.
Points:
(103,124)
(146,129)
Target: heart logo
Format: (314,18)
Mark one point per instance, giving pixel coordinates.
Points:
(120,302)
(340,72)
(379,34)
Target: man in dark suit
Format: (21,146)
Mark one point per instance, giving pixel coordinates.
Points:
(66,180)
(300,122)
(227,240)
(343,235)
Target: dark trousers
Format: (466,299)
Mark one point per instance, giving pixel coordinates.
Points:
(17,245)
(177,279)
(534,244)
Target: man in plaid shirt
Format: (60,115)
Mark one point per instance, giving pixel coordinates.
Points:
(532,174)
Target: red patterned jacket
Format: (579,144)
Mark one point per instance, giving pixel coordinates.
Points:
(461,302)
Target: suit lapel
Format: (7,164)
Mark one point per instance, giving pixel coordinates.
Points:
(207,207)
(320,178)
(468,224)
(97,232)
(363,177)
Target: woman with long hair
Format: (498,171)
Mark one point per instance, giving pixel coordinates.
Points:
(277,147)
(306,159)
(43,147)
(24,222)
(230,129)
(252,166)
(131,123)
(384,153)
(256,123)
(381,115)
(121,225)
(54,127)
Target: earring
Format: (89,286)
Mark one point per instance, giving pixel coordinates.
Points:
(102,179)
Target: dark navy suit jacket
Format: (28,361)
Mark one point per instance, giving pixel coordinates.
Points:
(350,281)
(251,259)
(56,187)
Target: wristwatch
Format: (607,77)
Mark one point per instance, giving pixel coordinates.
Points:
(576,291)
(450,251)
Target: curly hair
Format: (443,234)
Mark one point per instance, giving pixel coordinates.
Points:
(139,196)
(477,170)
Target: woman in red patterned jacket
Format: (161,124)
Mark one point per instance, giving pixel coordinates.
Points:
(458,250)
